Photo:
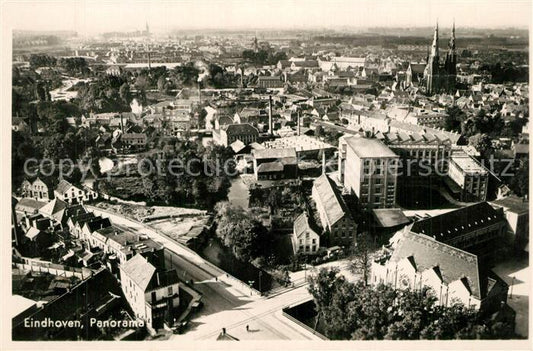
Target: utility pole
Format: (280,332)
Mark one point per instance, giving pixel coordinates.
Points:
(512,284)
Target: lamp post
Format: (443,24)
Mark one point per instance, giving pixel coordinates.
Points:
(260,274)
(251,283)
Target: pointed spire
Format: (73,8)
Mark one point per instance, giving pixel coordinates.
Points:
(452,38)
(435,45)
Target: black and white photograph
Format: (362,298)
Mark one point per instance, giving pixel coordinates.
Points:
(280,174)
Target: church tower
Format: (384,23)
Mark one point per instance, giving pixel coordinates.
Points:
(432,67)
(255,44)
(450,65)
(441,78)
(451,57)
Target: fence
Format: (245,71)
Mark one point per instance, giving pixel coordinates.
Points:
(33,265)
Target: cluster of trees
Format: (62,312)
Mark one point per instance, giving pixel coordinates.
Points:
(201,178)
(277,197)
(75,66)
(520,182)
(105,94)
(330,136)
(240,231)
(355,311)
(263,57)
(22,147)
(508,72)
(42,60)
(494,126)
(185,76)
(219,78)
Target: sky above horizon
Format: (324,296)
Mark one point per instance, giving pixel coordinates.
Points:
(97,16)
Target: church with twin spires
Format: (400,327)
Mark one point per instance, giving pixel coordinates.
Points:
(441,78)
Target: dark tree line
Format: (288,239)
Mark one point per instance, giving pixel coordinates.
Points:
(263,57)
(354,311)
(193,176)
(506,73)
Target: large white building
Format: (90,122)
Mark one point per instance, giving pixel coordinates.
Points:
(72,194)
(418,261)
(153,295)
(470,176)
(305,239)
(368,168)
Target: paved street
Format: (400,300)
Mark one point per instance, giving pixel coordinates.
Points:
(517,274)
(226,303)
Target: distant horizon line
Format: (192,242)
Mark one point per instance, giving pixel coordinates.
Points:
(286,29)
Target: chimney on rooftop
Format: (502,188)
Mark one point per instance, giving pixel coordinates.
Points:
(270,128)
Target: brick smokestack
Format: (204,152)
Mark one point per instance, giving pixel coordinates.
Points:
(298,124)
(199,92)
(323,161)
(270,126)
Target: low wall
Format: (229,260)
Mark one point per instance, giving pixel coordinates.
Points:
(32,265)
(286,313)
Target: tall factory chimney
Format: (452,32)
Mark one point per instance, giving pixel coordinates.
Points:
(270,126)
(298,124)
(323,161)
(199,92)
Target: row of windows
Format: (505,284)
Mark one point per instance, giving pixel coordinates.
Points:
(307,237)
(307,248)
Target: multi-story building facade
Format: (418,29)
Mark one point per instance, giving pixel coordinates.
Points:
(73,194)
(275,164)
(152,294)
(269,82)
(478,228)
(516,211)
(417,261)
(124,245)
(339,226)
(37,189)
(421,155)
(134,140)
(305,239)
(471,177)
(244,132)
(368,168)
